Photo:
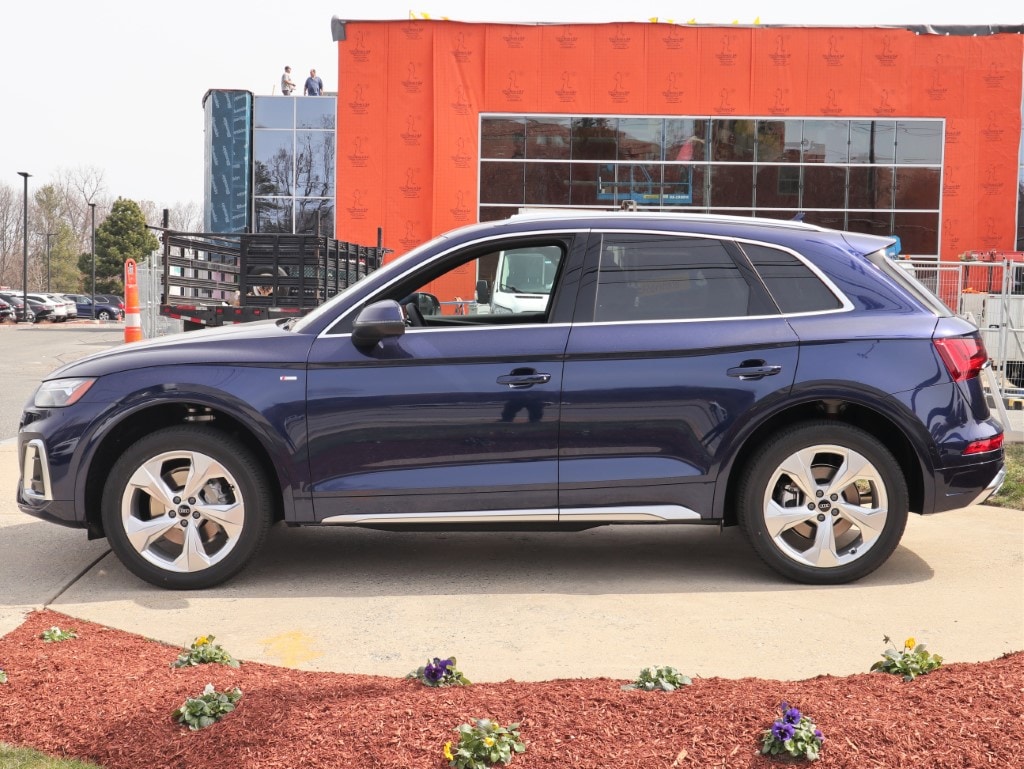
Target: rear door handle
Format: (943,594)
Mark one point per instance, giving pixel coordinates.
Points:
(524,377)
(753,369)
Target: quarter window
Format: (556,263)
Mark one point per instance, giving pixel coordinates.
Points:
(793,285)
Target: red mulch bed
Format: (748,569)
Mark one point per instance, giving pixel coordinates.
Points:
(107,696)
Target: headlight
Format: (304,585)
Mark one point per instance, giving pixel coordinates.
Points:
(61,392)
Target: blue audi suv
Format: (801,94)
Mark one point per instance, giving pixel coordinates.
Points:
(543,372)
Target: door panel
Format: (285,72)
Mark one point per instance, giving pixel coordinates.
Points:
(687,345)
(647,423)
(437,420)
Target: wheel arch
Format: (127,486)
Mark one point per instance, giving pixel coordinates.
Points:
(117,438)
(843,410)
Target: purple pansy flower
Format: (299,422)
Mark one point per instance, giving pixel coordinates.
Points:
(435,671)
(782,731)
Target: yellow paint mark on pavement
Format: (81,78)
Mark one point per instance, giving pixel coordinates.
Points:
(292,648)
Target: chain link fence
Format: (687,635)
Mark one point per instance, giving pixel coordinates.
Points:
(150,275)
(991,294)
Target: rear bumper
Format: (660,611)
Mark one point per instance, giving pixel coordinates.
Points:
(992,488)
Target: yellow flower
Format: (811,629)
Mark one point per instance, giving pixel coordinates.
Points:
(488,741)
(202,641)
(448,751)
(910,643)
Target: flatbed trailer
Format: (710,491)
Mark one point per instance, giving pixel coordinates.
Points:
(210,279)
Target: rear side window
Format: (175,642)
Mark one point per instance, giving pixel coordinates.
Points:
(793,285)
(658,277)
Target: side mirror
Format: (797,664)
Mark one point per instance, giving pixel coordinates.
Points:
(483,293)
(378,321)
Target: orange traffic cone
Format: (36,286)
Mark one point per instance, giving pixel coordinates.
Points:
(132,316)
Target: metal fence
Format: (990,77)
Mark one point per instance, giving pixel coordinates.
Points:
(991,294)
(150,275)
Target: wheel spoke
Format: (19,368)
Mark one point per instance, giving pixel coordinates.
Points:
(799,469)
(779,519)
(193,557)
(202,470)
(144,533)
(229,517)
(823,552)
(854,468)
(148,478)
(870,520)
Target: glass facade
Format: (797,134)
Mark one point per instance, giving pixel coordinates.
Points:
(228,125)
(294,164)
(876,176)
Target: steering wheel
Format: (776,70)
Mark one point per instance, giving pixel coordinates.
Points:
(413,316)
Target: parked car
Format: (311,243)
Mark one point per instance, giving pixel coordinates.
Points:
(111,299)
(15,300)
(102,310)
(70,306)
(57,312)
(774,375)
(7,312)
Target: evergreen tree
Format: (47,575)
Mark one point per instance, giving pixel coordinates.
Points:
(122,235)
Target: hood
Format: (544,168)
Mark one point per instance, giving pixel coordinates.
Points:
(258,343)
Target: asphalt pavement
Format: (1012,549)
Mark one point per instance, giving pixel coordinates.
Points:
(524,606)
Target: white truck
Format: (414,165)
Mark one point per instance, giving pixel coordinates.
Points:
(522,281)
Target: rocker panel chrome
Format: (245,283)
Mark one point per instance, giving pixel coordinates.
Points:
(625,514)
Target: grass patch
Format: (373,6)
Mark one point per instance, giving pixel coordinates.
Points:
(1012,493)
(24,758)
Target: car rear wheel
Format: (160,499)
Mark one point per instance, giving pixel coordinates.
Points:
(103,315)
(823,503)
(186,507)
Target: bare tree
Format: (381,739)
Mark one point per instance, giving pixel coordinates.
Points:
(186,216)
(77,188)
(10,235)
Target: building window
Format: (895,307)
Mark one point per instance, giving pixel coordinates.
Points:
(875,176)
(294,164)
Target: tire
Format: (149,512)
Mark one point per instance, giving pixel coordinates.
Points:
(103,315)
(792,485)
(147,506)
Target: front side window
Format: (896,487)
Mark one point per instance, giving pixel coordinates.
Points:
(504,285)
(655,277)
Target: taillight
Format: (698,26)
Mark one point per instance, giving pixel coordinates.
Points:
(964,356)
(988,444)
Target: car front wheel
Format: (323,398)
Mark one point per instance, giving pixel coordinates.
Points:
(186,507)
(823,503)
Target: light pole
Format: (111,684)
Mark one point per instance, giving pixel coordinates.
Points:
(24,238)
(93,207)
(48,236)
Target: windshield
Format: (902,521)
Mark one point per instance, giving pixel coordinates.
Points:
(376,278)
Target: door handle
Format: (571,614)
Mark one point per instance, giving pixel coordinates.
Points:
(524,377)
(750,370)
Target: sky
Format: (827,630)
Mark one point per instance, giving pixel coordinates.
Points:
(117,85)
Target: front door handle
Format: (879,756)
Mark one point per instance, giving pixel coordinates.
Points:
(750,370)
(521,378)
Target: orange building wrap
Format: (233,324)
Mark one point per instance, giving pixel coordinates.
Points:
(411,92)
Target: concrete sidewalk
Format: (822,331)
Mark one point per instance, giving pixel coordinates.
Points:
(606,602)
